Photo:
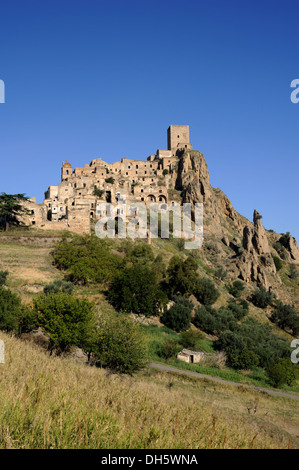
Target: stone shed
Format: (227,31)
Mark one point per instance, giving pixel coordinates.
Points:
(193,357)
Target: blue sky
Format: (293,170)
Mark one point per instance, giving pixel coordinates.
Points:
(97,78)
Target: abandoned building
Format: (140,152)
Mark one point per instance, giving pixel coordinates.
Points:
(76,200)
(192,357)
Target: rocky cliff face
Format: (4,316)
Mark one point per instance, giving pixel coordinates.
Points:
(249,257)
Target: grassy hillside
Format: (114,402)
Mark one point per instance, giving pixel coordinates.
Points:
(50,402)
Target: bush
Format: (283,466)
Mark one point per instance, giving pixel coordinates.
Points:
(252,336)
(178,317)
(243,359)
(239,310)
(220,273)
(109,180)
(10,310)
(280,249)
(66,320)
(169,348)
(59,286)
(190,338)
(98,192)
(165,172)
(285,317)
(86,259)
(261,298)
(120,345)
(277,262)
(236,288)
(182,276)
(135,289)
(3,277)
(294,273)
(206,319)
(205,291)
(283,372)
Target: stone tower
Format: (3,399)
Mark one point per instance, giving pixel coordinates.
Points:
(178,137)
(66,170)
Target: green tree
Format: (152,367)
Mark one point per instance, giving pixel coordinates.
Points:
(190,339)
(286,317)
(177,318)
(277,262)
(182,275)
(11,208)
(205,291)
(120,345)
(261,298)
(282,372)
(3,277)
(169,348)
(86,259)
(135,289)
(10,310)
(236,288)
(66,320)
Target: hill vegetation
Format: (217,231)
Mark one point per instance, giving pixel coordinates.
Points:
(124,303)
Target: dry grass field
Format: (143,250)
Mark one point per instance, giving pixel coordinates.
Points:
(51,402)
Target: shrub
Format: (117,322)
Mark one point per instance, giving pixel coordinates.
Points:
(110,180)
(283,372)
(252,336)
(178,317)
(243,359)
(285,317)
(280,249)
(206,319)
(220,273)
(239,310)
(205,291)
(294,273)
(182,275)
(277,262)
(120,345)
(261,298)
(98,192)
(59,286)
(10,310)
(86,259)
(169,348)
(165,172)
(190,338)
(236,288)
(285,239)
(3,277)
(135,289)
(66,320)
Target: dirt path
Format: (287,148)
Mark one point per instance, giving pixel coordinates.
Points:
(217,379)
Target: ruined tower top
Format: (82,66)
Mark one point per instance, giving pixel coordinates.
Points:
(178,137)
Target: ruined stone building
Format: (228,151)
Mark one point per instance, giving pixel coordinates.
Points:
(75,201)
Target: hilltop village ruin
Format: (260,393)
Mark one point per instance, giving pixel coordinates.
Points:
(72,205)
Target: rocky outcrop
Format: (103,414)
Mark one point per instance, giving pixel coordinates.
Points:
(292,247)
(255,262)
(259,239)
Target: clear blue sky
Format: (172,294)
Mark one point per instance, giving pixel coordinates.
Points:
(105,78)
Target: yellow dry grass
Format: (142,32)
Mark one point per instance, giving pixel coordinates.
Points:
(50,402)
